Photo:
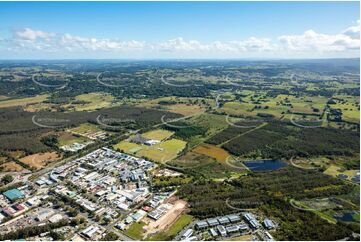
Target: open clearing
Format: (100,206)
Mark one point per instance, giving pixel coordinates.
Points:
(85,128)
(128,147)
(23,101)
(161,152)
(90,101)
(66,138)
(212,151)
(135,231)
(350,107)
(11,166)
(181,105)
(89,131)
(191,159)
(247,237)
(185,109)
(158,134)
(40,160)
(334,170)
(255,104)
(174,229)
(164,151)
(167,219)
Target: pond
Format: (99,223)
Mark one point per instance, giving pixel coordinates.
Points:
(346,217)
(265,165)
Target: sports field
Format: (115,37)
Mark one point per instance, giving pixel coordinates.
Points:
(128,147)
(164,151)
(158,134)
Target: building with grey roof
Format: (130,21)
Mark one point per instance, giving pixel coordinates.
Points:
(201,225)
(212,222)
(223,220)
(222,230)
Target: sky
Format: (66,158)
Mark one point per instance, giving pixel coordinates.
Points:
(179,30)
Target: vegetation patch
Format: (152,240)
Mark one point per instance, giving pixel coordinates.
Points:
(212,151)
(23,101)
(136,230)
(11,166)
(174,229)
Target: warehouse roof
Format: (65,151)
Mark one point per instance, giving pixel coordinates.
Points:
(13,194)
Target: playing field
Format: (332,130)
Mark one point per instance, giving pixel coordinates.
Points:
(128,147)
(164,151)
(158,134)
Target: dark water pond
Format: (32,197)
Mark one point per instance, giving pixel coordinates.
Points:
(346,217)
(265,165)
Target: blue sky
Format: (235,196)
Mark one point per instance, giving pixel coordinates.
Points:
(178,29)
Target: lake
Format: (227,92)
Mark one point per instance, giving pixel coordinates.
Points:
(265,165)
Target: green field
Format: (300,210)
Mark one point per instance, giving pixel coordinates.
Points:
(350,107)
(91,101)
(161,152)
(23,101)
(176,228)
(128,147)
(135,231)
(85,128)
(158,134)
(164,151)
(66,138)
(254,104)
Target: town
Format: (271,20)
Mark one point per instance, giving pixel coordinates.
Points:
(108,191)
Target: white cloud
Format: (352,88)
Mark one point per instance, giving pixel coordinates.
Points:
(251,44)
(353,31)
(348,40)
(179,44)
(310,43)
(30,34)
(75,43)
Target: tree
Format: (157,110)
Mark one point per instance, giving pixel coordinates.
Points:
(110,236)
(7,179)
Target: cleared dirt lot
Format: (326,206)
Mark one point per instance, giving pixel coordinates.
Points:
(167,219)
(11,166)
(40,160)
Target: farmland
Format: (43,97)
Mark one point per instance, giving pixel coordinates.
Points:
(203,122)
(23,101)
